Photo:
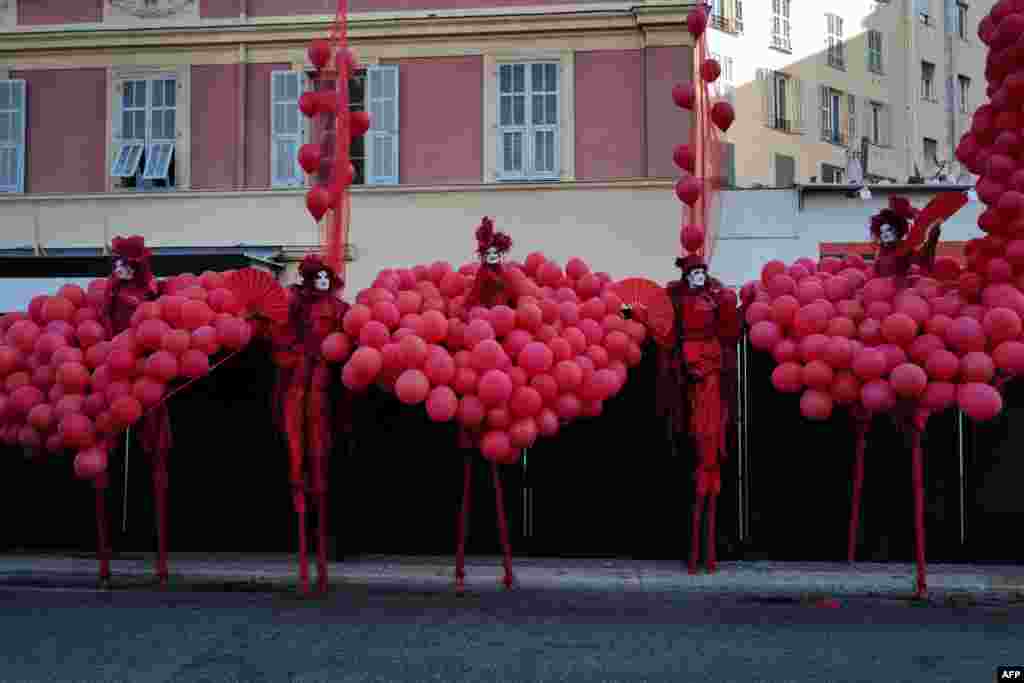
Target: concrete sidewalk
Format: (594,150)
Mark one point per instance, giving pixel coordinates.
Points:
(980,582)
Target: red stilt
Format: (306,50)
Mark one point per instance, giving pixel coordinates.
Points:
(103,544)
(918,482)
(160,503)
(462,522)
(698,511)
(499,500)
(300,510)
(858,484)
(711,538)
(321,542)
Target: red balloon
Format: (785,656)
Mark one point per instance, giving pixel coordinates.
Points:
(471,411)
(74,377)
(938,396)
(496,446)
(688,189)
(981,402)
(877,396)
(360,123)
(869,364)
(536,358)
(816,405)
(309,104)
(710,70)
(684,95)
(838,353)
(523,433)
(318,200)
(194,363)
(784,310)
(495,388)
(367,363)
(845,388)
(568,406)
(722,115)
(319,52)
(442,404)
(684,158)
(697,22)
(78,431)
(488,355)
(439,366)
(90,463)
(58,308)
(817,375)
(412,387)
(526,402)
(909,380)
(966,334)
(788,378)
(786,351)
(899,329)
(148,392)
(977,366)
(125,410)
(692,237)
(547,387)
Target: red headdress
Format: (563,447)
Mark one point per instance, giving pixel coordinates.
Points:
(691,262)
(486,238)
(899,215)
(134,252)
(311,265)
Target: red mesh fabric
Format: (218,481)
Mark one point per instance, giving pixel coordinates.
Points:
(707,148)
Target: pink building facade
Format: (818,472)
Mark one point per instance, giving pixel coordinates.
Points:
(181,115)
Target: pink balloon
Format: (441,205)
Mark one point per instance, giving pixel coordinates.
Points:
(870,332)
(938,396)
(966,334)
(869,364)
(1009,356)
(765,335)
(568,406)
(813,347)
(366,362)
(496,446)
(787,378)
(412,387)
(786,351)
(536,358)
(877,396)
(495,388)
(439,367)
(981,402)
(817,375)
(503,320)
(488,355)
(375,334)
(568,375)
(442,404)
(977,366)
(816,405)
(909,381)
(412,351)
(839,353)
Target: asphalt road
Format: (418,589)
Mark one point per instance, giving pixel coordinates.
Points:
(361,634)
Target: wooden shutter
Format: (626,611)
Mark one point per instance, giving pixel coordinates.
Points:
(12,135)
(286,128)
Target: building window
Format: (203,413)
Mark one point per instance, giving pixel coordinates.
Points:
(724,87)
(875,52)
(965,93)
(287,128)
(528,121)
(146,131)
(878,124)
(782,95)
(727,15)
(382,139)
(832,174)
(12,136)
(834,117)
(928,81)
(923,10)
(961,20)
(780,26)
(785,170)
(931,154)
(834,38)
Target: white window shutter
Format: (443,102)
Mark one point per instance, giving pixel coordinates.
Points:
(286,128)
(826,120)
(851,120)
(382,88)
(12,135)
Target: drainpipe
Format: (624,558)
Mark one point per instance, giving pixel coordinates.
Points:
(243,77)
(643,109)
(912,123)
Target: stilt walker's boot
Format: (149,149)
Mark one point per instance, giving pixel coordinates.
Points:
(862,427)
(102,540)
(499,499)
(160,502)
(462,524)
(711,541)
(299,499)
(322,580)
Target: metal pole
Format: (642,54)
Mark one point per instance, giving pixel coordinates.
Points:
(963,483)
(124,502)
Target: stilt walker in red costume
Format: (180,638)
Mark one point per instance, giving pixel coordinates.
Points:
(707,327)
(303,399)
(131,283)
(489,289)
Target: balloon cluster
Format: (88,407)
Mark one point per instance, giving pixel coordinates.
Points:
(843,336)
(66,386)
(330,99)
(508,374)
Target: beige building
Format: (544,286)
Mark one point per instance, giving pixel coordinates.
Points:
(816,82)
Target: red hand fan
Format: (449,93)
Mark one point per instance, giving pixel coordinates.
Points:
(652,300)
(259,294)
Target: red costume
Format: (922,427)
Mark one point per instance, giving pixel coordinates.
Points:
(691,394)
(908,247)
(489,290)
(303,402)
(124,294)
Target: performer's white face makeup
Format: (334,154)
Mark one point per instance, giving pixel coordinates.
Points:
(123,271)
(887,234)
(323,281)
(697,278)
(492,257)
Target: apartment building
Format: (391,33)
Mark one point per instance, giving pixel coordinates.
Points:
(892,83)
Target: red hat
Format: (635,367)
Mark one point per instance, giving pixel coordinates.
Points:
(487,238)
(691,262)
(131,248)
(313,264)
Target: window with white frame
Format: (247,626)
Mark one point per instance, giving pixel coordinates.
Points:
(12,135)
(923,9)
(927,81)
(727,15)
(780,26)
(724,87)
(782,96)
(965,93)
(834,117)
(931,153)
(528,121)
(834,40)
(146,130)
(961,20)
(875,51)
(373,156)
(878,123)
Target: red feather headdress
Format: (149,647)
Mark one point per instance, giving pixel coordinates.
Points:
(313,264)
(486,238)
(691,262)
(132,249)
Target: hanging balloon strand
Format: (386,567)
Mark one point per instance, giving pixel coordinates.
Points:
(700,159)
(330,160)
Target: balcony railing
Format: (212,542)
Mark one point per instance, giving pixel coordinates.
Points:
(726,24)
(781,42)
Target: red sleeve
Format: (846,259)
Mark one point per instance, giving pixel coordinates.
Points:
(729,320)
